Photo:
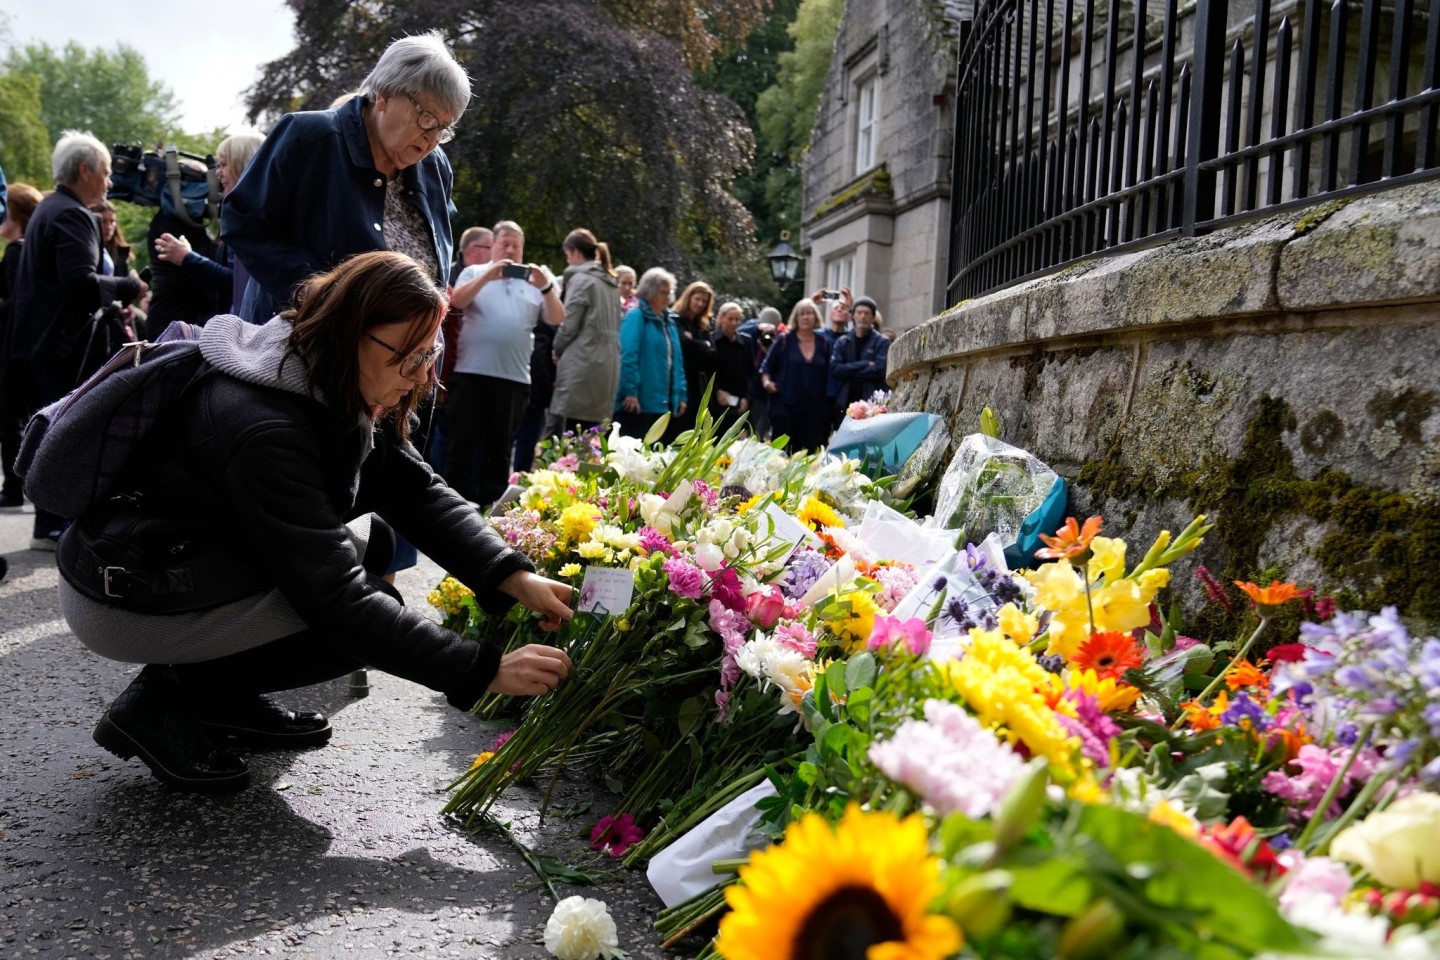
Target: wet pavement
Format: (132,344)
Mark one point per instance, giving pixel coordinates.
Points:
(333,852)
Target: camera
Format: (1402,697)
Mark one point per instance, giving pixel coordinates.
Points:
(766,339)
(830,295)
(515,271)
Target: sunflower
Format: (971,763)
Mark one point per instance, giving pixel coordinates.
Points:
(817,514)
(865,883)
(1109,654)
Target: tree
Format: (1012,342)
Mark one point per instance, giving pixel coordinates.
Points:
(24,143)
(578,119)
(786,111)
(107,93)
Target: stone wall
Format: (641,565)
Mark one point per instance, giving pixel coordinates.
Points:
(1282,377)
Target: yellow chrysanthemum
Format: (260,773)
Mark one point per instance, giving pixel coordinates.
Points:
(449,596)
(482,759)
(577,520)
(1016,624)
(870,876)
(570,570)
(591,550)
(1011,693)
(1114,696)
(817,514)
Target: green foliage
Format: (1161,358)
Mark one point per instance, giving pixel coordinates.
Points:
(24,144)
(108,93)
(786,111)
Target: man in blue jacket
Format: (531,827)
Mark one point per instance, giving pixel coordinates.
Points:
(858,363)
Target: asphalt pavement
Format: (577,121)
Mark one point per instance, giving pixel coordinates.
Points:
(334,852)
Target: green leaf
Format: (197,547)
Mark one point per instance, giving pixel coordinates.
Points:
(836,740)
(860,671)
(835,676)
(807,772)
(691,712)
(957,832)
(857,705)
(1054,885)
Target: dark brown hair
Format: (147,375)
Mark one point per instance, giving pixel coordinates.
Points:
(117,243)
(334,310)
(591,249)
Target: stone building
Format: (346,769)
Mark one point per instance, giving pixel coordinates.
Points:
(877,175)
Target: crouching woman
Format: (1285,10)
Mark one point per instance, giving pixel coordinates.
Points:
(245,555)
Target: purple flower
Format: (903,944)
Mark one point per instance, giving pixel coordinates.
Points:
(1244,708)
(686,579)
(1092,725)
(805,567)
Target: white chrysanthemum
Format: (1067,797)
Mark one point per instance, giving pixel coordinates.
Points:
(582,929)
(776,665)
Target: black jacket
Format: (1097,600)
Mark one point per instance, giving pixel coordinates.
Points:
(59,286)
(734,367)
(859,366)
(247,488)
(175,292)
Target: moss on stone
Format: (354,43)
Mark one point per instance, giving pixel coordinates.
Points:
(1319,214)
(874,183)
(1377,545)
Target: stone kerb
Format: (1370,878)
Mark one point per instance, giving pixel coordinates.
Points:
(1283,375)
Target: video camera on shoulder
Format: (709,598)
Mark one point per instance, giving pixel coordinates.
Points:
(181,184)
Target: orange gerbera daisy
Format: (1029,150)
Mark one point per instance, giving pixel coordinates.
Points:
(1243,673)
(1275,595)
(1109,654)
(1070,540)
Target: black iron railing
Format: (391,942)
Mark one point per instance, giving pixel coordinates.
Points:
(1101,125)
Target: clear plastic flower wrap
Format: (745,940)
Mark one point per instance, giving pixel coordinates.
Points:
(842,481)
(989,487)
(755,466)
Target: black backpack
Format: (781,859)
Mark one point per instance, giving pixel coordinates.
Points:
(75,450)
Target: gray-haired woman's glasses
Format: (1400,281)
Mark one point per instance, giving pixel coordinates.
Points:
(430,123)
(415,362)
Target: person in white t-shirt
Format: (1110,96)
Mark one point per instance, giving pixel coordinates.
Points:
(491,384)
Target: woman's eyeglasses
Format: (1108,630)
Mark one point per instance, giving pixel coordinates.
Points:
(415,362)
(430,123)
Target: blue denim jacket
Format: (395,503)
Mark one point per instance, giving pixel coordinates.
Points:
(312,197)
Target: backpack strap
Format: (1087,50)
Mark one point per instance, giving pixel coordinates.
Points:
(212,197)
(172,178)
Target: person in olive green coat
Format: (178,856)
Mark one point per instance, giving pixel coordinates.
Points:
(587,346)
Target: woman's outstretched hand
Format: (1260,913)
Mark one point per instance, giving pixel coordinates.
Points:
(549,598)
(530,671)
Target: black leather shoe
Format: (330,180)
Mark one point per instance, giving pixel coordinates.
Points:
(153,720)
(261,722)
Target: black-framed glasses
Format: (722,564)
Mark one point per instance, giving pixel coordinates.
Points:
(415,362)
(430,123)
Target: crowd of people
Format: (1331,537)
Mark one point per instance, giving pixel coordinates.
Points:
(363,393)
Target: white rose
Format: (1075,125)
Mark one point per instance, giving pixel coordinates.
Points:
(1399,846)
(582,929)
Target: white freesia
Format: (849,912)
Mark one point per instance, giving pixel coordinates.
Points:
(582,929)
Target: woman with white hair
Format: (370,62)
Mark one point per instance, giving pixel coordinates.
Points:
(652,369)
(223,273)
(366,175)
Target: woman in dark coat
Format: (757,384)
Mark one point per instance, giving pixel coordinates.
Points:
(794,374)
(245,556)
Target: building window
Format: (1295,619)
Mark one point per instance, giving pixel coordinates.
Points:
(867,109)
(839,271)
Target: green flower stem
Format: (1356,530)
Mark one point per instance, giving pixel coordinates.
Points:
(1362,800)
(1219,678)
(664,832)
(1089,606)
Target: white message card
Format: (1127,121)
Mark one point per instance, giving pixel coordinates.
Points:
(606,591)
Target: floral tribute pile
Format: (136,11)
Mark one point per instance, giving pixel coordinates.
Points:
(954,758)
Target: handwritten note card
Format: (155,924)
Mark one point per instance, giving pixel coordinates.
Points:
(606,591)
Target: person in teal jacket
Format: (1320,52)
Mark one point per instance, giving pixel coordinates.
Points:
(652,370)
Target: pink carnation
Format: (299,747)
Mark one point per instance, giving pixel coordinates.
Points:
(950,761)
(706,493)
(686,579)
(652,540)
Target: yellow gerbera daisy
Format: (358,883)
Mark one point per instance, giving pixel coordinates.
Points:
(867,881)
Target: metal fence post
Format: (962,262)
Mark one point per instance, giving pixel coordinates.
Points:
(1207,97)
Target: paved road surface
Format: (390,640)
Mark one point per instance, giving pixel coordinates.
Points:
(333,852)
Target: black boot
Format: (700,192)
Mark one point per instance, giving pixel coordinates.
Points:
(153,720)
(261,722)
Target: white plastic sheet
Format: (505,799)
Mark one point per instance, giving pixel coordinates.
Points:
(682,870)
